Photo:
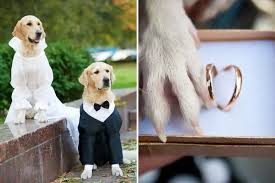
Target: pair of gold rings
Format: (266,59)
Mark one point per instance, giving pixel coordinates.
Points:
(211,72)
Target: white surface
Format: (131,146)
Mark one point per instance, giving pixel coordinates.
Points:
(102,114)
(254,112)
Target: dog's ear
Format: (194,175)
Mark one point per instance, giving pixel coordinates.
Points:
(113,77)
(43,32)
(17,31)
(84,77)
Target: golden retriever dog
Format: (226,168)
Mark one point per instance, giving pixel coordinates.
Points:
(97,80)
(31,75)
(30,31)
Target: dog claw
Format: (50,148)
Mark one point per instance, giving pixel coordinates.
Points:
(163,138)
(198,131)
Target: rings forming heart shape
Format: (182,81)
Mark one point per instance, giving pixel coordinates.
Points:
(211,72)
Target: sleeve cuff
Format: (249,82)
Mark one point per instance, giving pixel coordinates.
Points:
(23,104)
(41,106)
(115,165)
(88,167)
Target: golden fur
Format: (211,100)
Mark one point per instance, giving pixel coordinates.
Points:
(25,29)
(94,92)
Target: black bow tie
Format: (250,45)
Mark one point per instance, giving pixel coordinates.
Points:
(105,105)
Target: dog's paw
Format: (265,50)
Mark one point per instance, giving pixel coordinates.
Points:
(87,172)
(116,170)
(41,116)
(20,117)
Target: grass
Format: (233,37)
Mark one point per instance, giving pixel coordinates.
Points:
(64,179)
(130,144)
(125,74)
(129,172)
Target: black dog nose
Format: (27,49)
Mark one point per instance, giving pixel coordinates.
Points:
(38,33)
(106,80)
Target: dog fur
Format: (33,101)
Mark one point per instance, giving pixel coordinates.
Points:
(92,78)
(94,92)
(27,28)
(30,31)
(168,54)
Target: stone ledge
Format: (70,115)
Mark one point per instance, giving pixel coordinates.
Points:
(35,152)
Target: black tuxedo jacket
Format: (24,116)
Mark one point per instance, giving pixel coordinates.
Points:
(99,142)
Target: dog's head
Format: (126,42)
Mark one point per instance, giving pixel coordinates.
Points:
(29,29)
(98,75)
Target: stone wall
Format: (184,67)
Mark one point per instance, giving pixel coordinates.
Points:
(35,152)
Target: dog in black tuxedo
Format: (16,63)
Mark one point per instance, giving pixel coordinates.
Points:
(100,122)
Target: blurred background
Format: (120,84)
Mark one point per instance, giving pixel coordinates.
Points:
(222,14)
(77,33)
(232,14)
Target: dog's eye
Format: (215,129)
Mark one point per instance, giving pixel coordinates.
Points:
(38,23)
(107,70)
(96,72)
(29,24)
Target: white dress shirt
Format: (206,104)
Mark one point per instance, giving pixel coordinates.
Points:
(102,114)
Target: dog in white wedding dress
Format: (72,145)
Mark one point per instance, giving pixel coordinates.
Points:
(33,96)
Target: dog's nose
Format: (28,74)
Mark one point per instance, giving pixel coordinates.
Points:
(38,33)
(106,80)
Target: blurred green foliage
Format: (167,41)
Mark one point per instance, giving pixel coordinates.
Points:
(84,23)
(67,63)
(6,56)
(71,26)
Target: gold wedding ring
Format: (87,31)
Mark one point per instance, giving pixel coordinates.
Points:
(237,89)
(211,72)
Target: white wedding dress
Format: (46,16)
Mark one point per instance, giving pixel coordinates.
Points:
(31,78)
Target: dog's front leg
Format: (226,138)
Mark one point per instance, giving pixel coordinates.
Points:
(116,170)
(41,108)
(41,116)
(20,116)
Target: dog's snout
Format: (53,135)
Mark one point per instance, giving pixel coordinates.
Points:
(106,81)
(38,33)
